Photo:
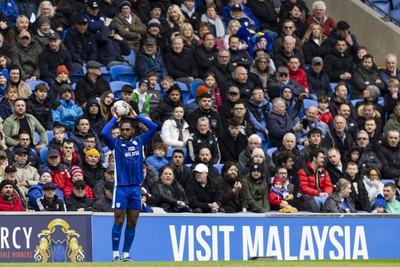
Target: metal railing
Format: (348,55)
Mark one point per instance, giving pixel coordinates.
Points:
(386,16)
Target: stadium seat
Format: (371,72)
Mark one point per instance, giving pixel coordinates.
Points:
(333,85)
(385,181)
(157,87)
(219,166)
(131,58)
(105,73)
(355,101)
(185,92)
(123,73)
(300,147)
(73,86)
(36,137)
(116,87)
(168,156)
(383,5)
(193,88)
(43,155)
(271,150)
(50,135)
(32,84)
(381,101)
(396,15)
(309,102)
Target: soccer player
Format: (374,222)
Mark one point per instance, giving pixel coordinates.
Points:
(128,177)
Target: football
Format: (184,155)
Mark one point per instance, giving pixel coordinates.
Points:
(121,108)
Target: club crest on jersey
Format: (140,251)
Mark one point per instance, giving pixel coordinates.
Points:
(134,142)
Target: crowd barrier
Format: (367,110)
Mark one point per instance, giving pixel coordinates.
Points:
(66,237)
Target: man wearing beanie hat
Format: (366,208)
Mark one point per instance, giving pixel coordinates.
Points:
(364,77)
(141,97)
(78,201)
(255,191)
(9,201)
(379,206)
(52,56)
(43,30)
(128,151)
(130,25)
(91,166)
(39,105)
(25,55)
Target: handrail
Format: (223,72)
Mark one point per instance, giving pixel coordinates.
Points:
(386,16)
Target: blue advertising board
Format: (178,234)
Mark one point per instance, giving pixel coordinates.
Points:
(45,237)
(205,238)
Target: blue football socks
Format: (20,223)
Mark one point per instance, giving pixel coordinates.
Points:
(129,236)
(116,236)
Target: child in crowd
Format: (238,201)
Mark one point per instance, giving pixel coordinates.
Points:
(167,82)
(279,197)
(58,137)
(68,111)
(324,114)
(141,97)
(115,132)
(392,97)
(3,82)
(210,82)
(76,174)
(3,62)
(158,159)
(359,193)
(379,205)
(144,195)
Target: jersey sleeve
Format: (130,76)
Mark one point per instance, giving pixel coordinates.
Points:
(105,134)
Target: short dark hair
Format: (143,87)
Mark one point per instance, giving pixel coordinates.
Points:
(234,122)
(89,135)
(312,131)
(391,185)
(314,154)
(178,151)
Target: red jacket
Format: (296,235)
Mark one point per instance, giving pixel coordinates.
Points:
(324,117)
(300,77)
(5,205)
(307,179)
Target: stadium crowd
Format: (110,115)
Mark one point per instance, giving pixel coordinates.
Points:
(262,105)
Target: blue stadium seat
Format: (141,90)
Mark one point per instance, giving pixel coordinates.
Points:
(36,137)
(131,58)
(219,167)
(385,181)
(309,102)
(105,73)
(300,147)
(157,87)
(43,155)
(73,86)
(271,150)
(381,101)
(168,156)
(185,92)
(116,87)
(123,73)
(193,88)
(50,135)
(333,85)
(355,101)
(396,15)
(32,84)
(384,5)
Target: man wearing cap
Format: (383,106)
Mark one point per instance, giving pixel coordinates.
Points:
(9,201)
(24,141)
(43,31)
(275,84)
(81,44)
(21,121)
(130,26)
(318,81)
(27,175)
(226,110)
(78,201)
(203,193)
(255,191)
(25,54)
(106,182)
(92,85)
(128,151)
(10,174)
(39,106)
(342,31)
(58,170)
(150,60)
(50,201)
(52,56)
(94,17)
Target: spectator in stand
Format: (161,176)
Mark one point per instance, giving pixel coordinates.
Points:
(340,201)
(265,12)
(231,29)
(27,175)
(217,26)
(392,97)
(89,142)
(100,187)
(288,29)
(58,137)
(318,81)
(231,188)
(205,156)
(259,156)
(391,70)
(191,15)
(39,106)
(233,142)
(319,16)
(77,174)
(158,160)
(315,44)
(190,39)
(95,17)
(314,143)
(21,121)
(43,31)
(226,110)
(81,129)
(53,56)
(109,7)
(240,112)
(240,79)
(342,32)
(389,154)
(205,53)
(68,155)
(279,121)
(62,77)
(81,44)
(368,155)
(222,68)
(258,108)
(175,131)
(375,136)
(24,90)
(288,144)
(296,11)
(203,193)
(341,97)
(92,85)
(175,18)
(339,136)
(68,111)
(335,166)
(9,200)
(24,141)
(58,170)
(368,111)
(157,12)
(280,81)
(289,49)
(165,108)
(22,24)
(394,121)
(389,193)
(46,9)
(255,191)
(92,168)
(25,55)
(78,201)
(239,57)
(150,60)
(182,173)
(50,200)
(339,63)
(154,31)
(7,102)
(310,121)
(106,101)
(364,77)
(373,184)
(93,114)
(296,73)
(314,179)
(131,28)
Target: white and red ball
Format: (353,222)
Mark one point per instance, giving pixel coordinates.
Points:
(121,108)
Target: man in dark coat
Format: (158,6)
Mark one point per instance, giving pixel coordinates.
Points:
(39,106)
(339,65)
(233,142)
(78,201)
(230,188)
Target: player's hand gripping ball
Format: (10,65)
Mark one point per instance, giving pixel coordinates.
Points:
(121,108)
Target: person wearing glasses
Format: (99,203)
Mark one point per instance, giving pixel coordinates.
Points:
(368,156)
(288,50)
(288,29)
(276,84)
(78,201)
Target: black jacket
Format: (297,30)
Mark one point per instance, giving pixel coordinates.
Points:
(41,111)
(49,61)
(92,174)
(163,111)
(241,58)
(110,49)
(200,197)
(82,47)
(74,203)
(167,197)
(197,140)
(213,117)
(181,65)
(85,88)
(333,204)
(390,158)
(230,148)
(311,49)
(359,196)
(264,11)
(44,205)
(336,64)
(203,58)
(318,83)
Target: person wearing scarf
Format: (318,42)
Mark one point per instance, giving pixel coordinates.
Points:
(215,22)
(175,131)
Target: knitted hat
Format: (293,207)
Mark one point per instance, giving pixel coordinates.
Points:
(257,151)
(379,202)
(75,169)
(277,180)
(124,3)
(62,68)
(256,167)
(154,23)
(42,20)
(92,151)
(45,170)
(144,80)
(202,90)
(4,183)
(4,72)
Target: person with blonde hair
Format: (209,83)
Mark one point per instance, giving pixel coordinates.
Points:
(339,201)
(315,43)
(175,18)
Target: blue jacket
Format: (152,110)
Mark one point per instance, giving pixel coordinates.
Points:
(146,63)
(67,112)
(5,109)
(36,192)
(95,23)
(156,161)
(10,10)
